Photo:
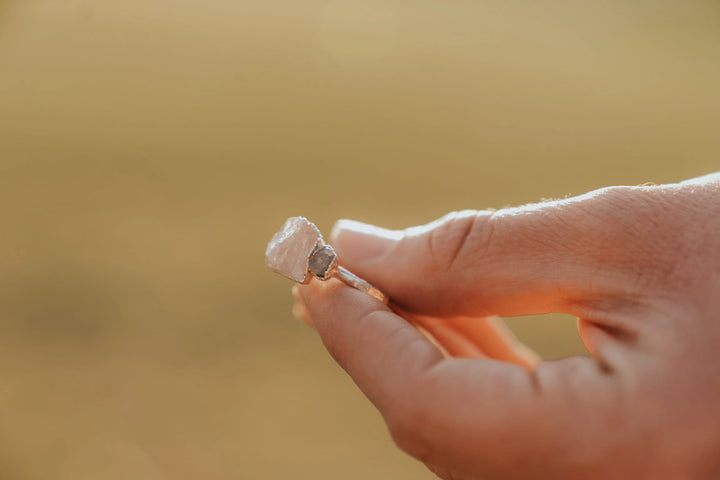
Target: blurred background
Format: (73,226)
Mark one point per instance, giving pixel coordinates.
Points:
(149,150)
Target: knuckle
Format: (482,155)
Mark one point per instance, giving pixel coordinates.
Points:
(613,194)
(641,225)
(454,235)
(627,217)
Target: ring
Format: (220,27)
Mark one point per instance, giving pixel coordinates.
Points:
(299,252)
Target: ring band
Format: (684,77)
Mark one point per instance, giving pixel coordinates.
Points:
(342,273)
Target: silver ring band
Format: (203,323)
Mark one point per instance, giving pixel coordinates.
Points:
(342,273)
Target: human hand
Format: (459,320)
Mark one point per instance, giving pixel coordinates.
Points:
(638,266)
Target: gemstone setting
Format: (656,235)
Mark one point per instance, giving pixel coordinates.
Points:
(322,262)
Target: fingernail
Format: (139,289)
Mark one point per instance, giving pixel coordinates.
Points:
(356,241)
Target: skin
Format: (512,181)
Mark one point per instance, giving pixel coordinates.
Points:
(640,269)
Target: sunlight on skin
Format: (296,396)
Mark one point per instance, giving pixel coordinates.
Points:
(646,310)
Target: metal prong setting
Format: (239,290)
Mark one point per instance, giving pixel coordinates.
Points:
(322,261)
(324,265)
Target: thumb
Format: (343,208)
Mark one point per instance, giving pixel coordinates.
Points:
(569,255)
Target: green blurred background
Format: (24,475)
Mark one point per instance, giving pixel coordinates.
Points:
(148,151)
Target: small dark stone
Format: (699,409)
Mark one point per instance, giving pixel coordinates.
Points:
(321,261)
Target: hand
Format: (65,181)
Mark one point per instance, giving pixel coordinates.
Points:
(638,266)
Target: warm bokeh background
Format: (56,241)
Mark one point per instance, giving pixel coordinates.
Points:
(148,150)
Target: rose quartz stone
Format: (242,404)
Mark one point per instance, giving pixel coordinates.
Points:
(289,250)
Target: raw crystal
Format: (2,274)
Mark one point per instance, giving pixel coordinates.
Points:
(322,261)
(289,250)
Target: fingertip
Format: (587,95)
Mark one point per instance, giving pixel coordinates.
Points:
(319,298)
(339,226)
(313,288)
(301,313)
(357,241)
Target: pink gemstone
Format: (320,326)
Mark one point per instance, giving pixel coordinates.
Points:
(289,250)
